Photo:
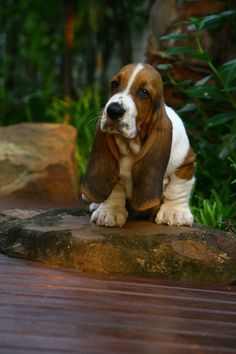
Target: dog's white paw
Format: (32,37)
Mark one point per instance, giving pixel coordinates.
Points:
(93,206)
(109,216)
(173,215)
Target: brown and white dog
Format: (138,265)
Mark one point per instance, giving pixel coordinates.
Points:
(141,153)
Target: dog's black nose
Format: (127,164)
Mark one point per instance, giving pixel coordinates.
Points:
(115,110)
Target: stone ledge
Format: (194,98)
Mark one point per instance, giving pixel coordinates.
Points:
(65,237)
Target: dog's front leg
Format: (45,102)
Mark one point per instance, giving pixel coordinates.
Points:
(112,211)
(175,208)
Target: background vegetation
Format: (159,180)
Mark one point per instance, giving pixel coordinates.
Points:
(210,116)
(55,61)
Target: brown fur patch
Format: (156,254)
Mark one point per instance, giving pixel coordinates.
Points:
(103,169)
(151,163)
(186,170)
(122,78)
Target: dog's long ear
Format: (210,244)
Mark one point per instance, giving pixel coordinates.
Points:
(103,168)
(151,163)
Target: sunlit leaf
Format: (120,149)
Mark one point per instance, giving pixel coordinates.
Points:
(164,66)
(187,108)
(203,80)
(193,23)
(216,19)
(176,36)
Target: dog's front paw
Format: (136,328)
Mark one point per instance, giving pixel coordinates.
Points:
(109,216)
(174,215)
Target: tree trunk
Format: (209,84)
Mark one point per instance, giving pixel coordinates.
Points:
(69,6)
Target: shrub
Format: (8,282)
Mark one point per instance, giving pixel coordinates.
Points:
(210,117)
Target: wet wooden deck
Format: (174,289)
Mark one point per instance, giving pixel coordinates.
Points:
(50,310)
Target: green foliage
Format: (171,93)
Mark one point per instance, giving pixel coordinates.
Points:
(29,64)
(214,211)
(33,60)
(233,164)
(210,116)
(33,56)
(83,114)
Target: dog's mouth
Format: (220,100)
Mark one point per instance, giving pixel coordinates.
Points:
(120,129)
(114,127)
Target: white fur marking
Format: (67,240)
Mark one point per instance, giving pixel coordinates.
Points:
(180,142)
(133,76)
(112,211)
(175,208)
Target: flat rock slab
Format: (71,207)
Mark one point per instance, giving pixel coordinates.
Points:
(66,237)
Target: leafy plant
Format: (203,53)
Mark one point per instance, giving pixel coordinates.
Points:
(83,114)
(210,116)
(233,164)
(214,211)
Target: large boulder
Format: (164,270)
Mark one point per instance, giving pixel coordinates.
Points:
(67,238)
(37,163)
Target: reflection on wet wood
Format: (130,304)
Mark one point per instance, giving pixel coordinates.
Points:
(53,310)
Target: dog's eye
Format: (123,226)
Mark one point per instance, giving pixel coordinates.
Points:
(143,93)
(114,85)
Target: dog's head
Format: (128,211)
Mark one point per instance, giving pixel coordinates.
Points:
(135,109)
(136,93)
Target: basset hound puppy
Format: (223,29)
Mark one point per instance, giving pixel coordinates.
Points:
(141,153)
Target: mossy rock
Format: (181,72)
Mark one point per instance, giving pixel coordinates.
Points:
(141,248)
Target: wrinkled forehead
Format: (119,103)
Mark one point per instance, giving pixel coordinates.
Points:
(138,75)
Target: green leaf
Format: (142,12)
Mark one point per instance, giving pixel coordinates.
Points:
(202,56)
(232,88)
(221,118)
(210,21)
(228,71)
(206,92)
(194,23)
(175,36)
(194,20)
(185,83)
(192,27)
(180,50)
(164,66)
(203,81)
(187,108)
(216,19)
(233,164)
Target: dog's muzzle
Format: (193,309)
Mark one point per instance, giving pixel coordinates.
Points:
(119,116)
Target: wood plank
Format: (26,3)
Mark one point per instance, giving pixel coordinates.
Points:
(53,310)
